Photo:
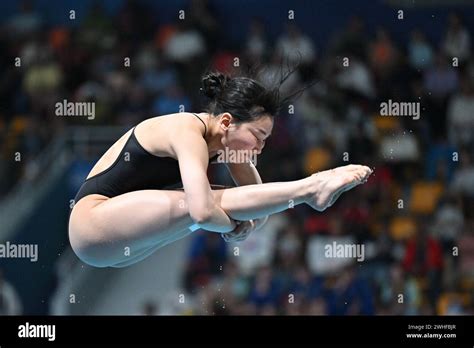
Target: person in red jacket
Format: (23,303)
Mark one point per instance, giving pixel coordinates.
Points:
(424,258)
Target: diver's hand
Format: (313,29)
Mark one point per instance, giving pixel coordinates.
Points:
(241,232)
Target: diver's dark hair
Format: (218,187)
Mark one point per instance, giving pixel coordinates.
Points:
(244,96)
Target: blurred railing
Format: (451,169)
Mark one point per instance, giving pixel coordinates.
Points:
(92,142)
(40,175)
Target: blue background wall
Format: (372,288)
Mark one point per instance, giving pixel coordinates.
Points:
(319,18)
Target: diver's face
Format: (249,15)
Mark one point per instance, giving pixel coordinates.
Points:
(249,136)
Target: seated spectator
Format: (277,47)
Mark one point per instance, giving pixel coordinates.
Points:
(159,80)
(185,45)
(349,294)
(265,293)
(460,119)
(383,54)
(463,180)
(448,222)
(424,260)
(423,254)
(272,73)
(441,79)
(420,52)
(295,46)
(439,157)
(357,78)
(457,42)
(301,282)
(207,256)
(203,16)
(400,146)
(256,43)
(25,23)
(352,40)
(391,288)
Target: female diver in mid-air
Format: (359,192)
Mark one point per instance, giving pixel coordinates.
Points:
(130,205)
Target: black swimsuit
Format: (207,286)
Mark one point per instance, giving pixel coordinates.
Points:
(134,169)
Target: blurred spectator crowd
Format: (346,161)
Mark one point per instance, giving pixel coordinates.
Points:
(414,216)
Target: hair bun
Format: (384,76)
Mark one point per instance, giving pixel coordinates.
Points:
(213,84)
